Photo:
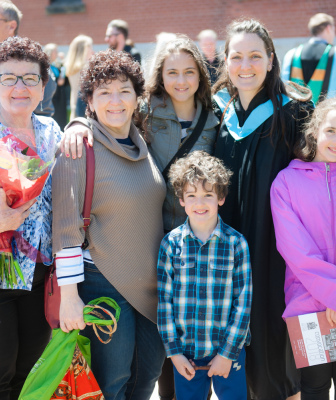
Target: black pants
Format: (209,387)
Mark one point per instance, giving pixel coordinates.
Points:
(316,381)
(24,334)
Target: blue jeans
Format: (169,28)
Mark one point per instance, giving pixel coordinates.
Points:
(128,366)
(233,387)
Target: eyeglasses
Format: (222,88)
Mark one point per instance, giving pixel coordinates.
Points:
(28,79)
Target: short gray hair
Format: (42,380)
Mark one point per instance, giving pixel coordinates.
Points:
(11,13)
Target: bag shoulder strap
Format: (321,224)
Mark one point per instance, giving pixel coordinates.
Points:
(90,174)
(189,142)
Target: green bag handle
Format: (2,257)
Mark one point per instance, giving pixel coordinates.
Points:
(93,318)
(51,367)
(91,315)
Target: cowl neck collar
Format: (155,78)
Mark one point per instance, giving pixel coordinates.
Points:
(136,152)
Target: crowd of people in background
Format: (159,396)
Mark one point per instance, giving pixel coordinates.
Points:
(201,220)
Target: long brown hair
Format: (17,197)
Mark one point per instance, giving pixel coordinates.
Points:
(273,83)
(184,44)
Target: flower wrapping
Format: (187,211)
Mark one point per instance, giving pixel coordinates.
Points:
(22,176)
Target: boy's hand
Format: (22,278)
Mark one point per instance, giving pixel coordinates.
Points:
(220,366)
(331,316)
(183,366)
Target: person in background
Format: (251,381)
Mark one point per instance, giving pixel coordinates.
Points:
(314,63)
(161,41)
(117,38)
(59,98)
(204,286)
(80,50)
(303,208)
(10,18)
(207,42)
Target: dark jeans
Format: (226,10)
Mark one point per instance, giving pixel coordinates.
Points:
(24,334)
(128,366)
(316,381)
(231,388)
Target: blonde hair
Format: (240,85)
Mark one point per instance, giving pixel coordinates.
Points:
(319,22)
(307,146)
(207,33)
(49,48)
(77,54)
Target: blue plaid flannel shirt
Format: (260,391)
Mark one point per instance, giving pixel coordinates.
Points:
(205,292)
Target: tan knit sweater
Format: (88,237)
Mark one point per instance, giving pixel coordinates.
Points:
(126,215)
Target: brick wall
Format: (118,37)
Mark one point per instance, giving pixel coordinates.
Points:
(285,18)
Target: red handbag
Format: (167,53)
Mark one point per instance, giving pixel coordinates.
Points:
(52,292)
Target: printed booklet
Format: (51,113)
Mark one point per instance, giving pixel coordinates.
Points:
(312,338)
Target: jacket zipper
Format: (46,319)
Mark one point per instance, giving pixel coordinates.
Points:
(328,178)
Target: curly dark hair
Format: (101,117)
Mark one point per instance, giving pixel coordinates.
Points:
(273,83)
(306,148)
(25,49)
(106,66)
(199,166)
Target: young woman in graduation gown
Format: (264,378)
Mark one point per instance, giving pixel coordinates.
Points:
(262,121)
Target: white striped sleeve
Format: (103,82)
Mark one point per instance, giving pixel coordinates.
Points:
(69,266)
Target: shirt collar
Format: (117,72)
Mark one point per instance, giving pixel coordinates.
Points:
(218,231)
(315,39)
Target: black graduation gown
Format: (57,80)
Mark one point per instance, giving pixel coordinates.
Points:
(256,161)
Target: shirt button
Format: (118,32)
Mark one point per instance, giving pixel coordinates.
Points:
(182,263)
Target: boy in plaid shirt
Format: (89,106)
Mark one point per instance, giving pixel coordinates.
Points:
(204,286)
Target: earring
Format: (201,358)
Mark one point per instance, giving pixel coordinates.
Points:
(41,106)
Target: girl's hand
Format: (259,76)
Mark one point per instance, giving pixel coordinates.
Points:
(183,366)
(12,218)
(72,139)
(331,316)
(220,366)
(71,310)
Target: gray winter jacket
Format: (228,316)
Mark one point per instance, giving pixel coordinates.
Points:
(164,131)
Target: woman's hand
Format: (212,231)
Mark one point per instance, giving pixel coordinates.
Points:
(183,366)
(72,139)
(220,366)
(71,310)
(331,316)
(12,218)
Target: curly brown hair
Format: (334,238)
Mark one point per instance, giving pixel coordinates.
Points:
(182,43)
(106,66)
(25,49)
(196,167)
(307,146)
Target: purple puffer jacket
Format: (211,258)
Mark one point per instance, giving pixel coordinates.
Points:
(303,206)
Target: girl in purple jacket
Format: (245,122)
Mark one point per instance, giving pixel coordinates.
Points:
(304,210)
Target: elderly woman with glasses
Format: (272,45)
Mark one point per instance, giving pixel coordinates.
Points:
(24,331)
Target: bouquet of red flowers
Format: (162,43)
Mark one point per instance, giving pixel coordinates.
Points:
(22,176)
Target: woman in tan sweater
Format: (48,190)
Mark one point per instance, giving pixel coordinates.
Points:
(124,235)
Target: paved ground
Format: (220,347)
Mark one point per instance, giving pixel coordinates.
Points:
(214,397)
